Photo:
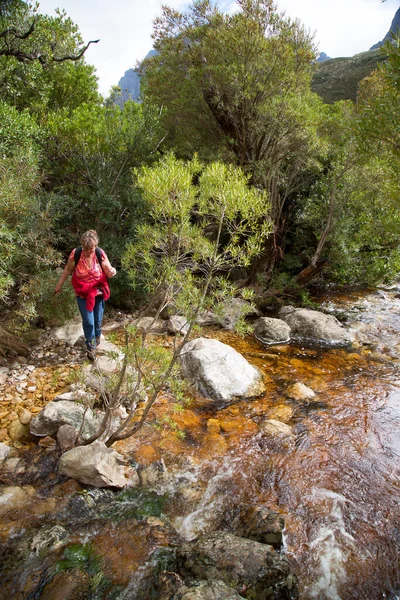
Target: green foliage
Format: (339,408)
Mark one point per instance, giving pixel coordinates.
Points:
(34,74)
(90,155)
(228,82)
(199,232)
(83,557)
(27,254)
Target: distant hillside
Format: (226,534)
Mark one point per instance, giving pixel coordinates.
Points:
(338,78)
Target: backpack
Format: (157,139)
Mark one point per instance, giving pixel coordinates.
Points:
(78,252)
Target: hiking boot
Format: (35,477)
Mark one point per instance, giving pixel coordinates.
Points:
(91,354)
(98,340)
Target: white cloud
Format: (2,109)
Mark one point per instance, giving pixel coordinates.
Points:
(343,27)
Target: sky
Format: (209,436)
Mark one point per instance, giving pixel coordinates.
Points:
(341,27)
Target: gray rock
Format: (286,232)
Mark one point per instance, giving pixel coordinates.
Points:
(239,562)
(70,332)
(207,590)
(219,372)
(66,437)
(4,451)
(271,331)
(228,314)
(94,465)
(56,414)
(315,326)
(150,325)
(178,325)
(234,309)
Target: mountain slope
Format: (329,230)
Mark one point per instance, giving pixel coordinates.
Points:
(338,78)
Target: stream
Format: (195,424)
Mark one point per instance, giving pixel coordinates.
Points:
(335,479)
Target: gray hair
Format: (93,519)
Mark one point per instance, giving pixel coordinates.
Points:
(89,238)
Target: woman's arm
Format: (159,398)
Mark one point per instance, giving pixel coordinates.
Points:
(107,268)
(69,267)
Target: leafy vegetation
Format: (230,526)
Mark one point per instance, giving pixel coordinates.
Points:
(230,161)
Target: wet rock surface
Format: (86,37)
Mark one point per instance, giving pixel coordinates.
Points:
(243,563)
(315,326)
(96,465)
(271,331)
(219,372)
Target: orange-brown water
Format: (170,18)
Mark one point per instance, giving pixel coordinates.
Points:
(335,478)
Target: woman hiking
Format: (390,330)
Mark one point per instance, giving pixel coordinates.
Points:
(90,269)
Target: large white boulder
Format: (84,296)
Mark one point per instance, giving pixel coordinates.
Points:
(219,372)
(95,465)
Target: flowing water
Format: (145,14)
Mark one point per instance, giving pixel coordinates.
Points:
(335,478)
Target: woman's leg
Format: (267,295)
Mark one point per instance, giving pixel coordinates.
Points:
(87,323)
(98,315)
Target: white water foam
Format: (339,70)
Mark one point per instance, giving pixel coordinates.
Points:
(212,504)
(331,545)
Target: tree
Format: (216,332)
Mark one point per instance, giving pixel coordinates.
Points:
(237,87)
(90,154)
(205,221)
(42,60)
(27,254)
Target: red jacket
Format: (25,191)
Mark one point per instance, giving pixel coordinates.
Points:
(89,290)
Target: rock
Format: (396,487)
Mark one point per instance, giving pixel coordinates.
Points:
(74,396)
(94,465)
(55,414)
(281,413)
(48,536)
(15,498)
(4,370)
(228,314)
(277,428)
(271,331)
(3,378)
(150,325)
(25,416)
(315,326)
(234,309)
(70,332)
(299,391)
(68,585)
(219,372)
(66,437)
(17,431)
(153,475)
(47,442)
(259,523)
(106,348)
(207,590)
(178,325)
(4,451)
(240,563)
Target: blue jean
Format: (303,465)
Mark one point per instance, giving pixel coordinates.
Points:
(91,320)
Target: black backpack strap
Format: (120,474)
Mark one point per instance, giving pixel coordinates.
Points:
(77,255)
(98,251)
(99,255)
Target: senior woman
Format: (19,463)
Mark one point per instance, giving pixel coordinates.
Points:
(90,269)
